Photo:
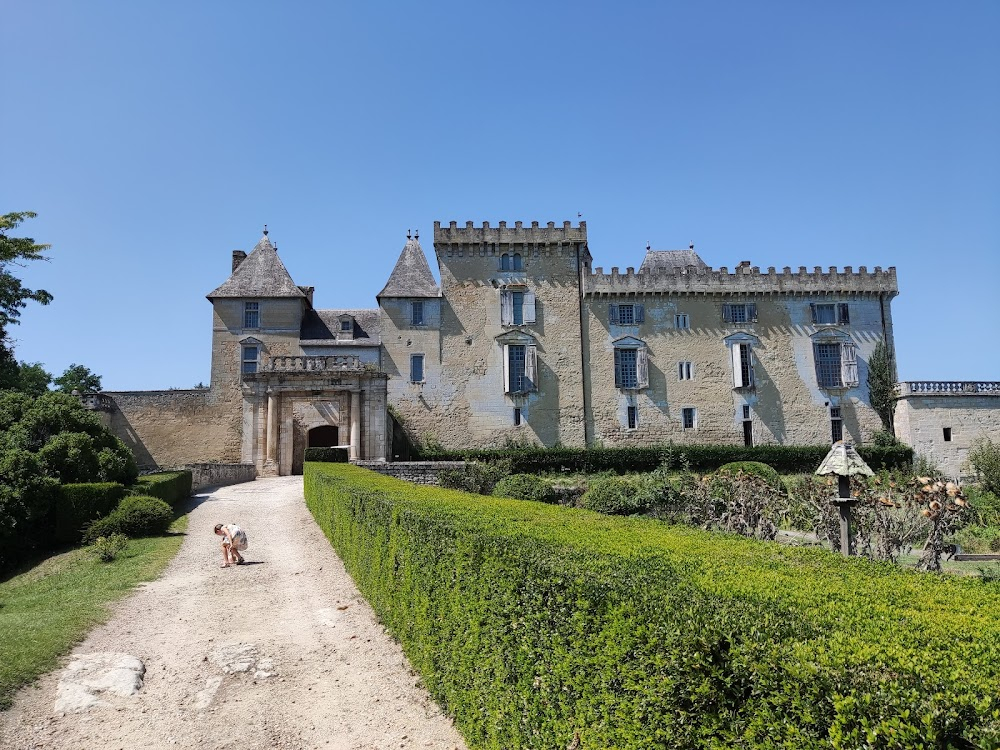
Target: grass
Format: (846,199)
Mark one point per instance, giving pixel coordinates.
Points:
(49,608)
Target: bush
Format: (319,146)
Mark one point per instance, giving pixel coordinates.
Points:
(786,459)
(135,516)
(985,507)
(172,487)
(984,457)
(79,505)
(533,622)
(331,455)
(107,548)
(525,487)
(27,497)
(477,478)
(755,468)
(616,496)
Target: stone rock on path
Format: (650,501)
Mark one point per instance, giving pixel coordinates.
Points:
(89,675)
(235,657)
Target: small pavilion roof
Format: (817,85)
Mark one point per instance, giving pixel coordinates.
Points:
(261,274)
(412,275)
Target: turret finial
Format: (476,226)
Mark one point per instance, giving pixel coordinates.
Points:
(416,234)
(408,233)
(265,230)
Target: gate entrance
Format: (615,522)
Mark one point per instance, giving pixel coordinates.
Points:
(324,436)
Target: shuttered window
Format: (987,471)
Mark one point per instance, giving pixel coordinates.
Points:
(740,313)
(520,368)
(626,315)
(742,365)
(416,368)
(517,307)
(631,368)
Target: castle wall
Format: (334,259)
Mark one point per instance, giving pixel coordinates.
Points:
(168,429)
(925,409)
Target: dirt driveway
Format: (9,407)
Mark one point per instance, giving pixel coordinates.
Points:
(280,653)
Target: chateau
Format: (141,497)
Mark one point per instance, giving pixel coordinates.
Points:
(523,341)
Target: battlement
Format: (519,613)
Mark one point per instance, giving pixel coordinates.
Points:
(744,280)
(487,240)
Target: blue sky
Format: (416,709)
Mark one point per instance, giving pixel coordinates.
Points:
(155,138)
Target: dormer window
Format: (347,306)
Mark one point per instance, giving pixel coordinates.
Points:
(345,325)
(251,314)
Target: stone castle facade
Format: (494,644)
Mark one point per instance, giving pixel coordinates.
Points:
(523,341)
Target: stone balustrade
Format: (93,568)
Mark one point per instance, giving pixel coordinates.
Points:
(948,387)
(332,363)
(96,401)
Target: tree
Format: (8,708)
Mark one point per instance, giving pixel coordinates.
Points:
(33,379)
(78,378)
(881,384)
(14,251)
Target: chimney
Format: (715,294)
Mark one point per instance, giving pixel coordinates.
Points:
(744,264)
(238,257)
(308,291)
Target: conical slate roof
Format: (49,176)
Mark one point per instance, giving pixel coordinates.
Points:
(261,274)
(668,260)
(843,460)
(412,276)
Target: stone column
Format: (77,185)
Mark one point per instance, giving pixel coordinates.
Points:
(272,426)
(354,453)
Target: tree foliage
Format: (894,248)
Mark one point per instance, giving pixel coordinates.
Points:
(78,378)
(15,251)
(881,384)
(985,459)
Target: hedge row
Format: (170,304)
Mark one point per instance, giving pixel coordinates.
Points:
(787,459)
(531,622)
(171,486)
(78,505)
(328,455)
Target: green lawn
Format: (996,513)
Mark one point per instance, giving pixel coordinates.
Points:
(46,610)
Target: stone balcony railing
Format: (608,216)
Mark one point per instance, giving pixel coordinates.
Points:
(332,363)
(96,401)
(948,388)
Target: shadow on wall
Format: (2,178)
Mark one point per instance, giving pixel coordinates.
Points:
(121,427)
(768,404)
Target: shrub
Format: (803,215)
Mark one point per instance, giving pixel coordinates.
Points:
(107,548)
(79,505)
(478,478)
(332,455)
(135,516)
(533,622)
(616,496)
(27,497)
(172,487)
(985,507)
(984,457)
(525,487)
(756,468)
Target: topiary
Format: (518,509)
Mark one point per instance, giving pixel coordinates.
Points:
(757,469)
(619,496)
(525,487)
(135,516)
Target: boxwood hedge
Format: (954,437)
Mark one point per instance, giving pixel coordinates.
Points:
(78,505)
(531,622)
(171,486)
(786,459)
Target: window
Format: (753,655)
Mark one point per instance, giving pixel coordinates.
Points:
(830,313)
(505,262)
(517,416)
(742,366)
(416,368)
(626,315)
(681,321)
(633,417)
(947,434)
(519,368)
(836,424)
(251,314)
(747,427)
(515,262)
(684,370)
(250,357)
(631,365)
(345,325)
(517,307)
(689,416)
(836,364)
(417,313)
(740,313)
(746,411)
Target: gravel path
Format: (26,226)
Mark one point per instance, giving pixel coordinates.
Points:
(280,653)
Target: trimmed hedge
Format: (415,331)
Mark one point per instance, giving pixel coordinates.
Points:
(135,516)
(756,468)
(530,622)
(171,486)
(786,459)
(525,487)
(78,505)
(331,455)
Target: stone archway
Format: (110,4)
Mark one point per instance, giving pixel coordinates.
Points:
(323,436)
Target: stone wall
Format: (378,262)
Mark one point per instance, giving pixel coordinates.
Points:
(941,420)
(174,428)
(418,472)
(219,475)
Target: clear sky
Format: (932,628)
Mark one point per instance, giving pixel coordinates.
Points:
(155,138)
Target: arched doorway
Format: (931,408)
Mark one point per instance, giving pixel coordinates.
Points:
(324,436)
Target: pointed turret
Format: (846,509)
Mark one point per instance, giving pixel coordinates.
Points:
(412,275)
(261,274)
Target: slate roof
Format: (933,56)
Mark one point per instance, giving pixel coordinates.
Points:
(668,260)
(319,328)
(261,274)
(412,276)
